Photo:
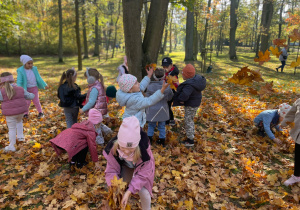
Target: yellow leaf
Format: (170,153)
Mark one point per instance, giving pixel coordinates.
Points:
(295,64)
(189,204)
(37,145)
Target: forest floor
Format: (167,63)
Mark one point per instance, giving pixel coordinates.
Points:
(229,167)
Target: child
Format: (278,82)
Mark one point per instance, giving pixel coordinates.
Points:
(158,113)
(189,95)
(293,116)
(283,57)
(79,139)
(269,119)
(130,95)
(123,68)
(70,96)
(129,157)
(95,97)
(13,107)
(30,79)
(171,70)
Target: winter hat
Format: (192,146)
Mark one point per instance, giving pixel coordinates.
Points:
(95,116)
(166,61)
(111,91)
(25,58)
(129,133)
(283,109)
(188,71)
(8,78)
(126,82)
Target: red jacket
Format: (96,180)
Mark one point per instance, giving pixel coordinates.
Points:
(76,138)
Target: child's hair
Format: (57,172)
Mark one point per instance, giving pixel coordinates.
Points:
(95,73)
(159,73)
(137,152)
(68,76)
(10,91)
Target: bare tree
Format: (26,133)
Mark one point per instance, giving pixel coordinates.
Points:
(78,35)
(233,25)
(60,42)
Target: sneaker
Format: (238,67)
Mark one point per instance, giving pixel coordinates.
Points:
(161,141)
(9,149)
(72,166)
(188,143)
(25,116)
(80,165)
(292,180)
(172,122)
(21,139)
(41,115)
(277,69)
(261,133)
(150,138)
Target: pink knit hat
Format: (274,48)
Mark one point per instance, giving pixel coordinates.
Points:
(8,78)
(129,135)
(126,82)
(283,109)
(95,116)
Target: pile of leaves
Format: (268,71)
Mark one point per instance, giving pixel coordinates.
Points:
(230,167)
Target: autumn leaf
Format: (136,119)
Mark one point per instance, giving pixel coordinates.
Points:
(245,76)
(295,35)
(266,90)
(153,65)
(263,57)
(275,51)
(37,145)
(295,64)
(279,42)
(171,80)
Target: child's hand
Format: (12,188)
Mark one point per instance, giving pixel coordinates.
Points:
(150,71)
(81,111)
(164,87)
(277,141)
(125,199)
(97,166)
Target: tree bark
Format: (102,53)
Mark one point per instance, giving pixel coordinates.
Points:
(60,38)
(233,25)
(78,35)
(266,17)
(170,42)
(85,44)
(280,19)
(189,39)
(164,45)
(205,29)
(116,28)
(96,48)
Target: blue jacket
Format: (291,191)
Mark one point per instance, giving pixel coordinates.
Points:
(22,78)
(266,118)
(136,103)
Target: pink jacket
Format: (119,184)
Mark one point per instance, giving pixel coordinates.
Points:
(143,175)
(101,103)
(17,105)
(76,138)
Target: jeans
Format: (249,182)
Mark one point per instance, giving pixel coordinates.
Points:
(126,174)
(35,100)
(282,65)
(71,114)
(15,126)
(161,128)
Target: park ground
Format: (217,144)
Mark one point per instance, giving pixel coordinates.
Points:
(229,167)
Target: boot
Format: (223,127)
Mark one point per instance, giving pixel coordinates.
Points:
(161,141)
(151,139)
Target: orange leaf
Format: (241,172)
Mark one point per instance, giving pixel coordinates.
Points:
(279,42)
(263,57)
(295,36)
(275,51)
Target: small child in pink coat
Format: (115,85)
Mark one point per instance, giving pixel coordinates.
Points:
(129,156)
(79,139)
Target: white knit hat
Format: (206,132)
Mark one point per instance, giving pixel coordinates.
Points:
(283,109)
(25,58)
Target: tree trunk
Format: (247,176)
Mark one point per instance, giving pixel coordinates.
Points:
(60,42)
(96,48)
(280,19)
(266,17)
(233,25)
(205,29)
(164,45)
(256,26)
(78,35)
(7,48)
(146,9)
(116,28)
(189,39)
(85,44)
(170,50)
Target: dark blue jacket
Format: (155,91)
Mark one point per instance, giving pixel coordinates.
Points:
(69,97)
(189,92)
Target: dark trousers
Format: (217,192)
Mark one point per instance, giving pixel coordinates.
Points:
(170,110)
(282,65)
(297,160)
(80,156)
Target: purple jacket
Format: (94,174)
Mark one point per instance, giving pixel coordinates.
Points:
(17,104)
(75,139)
(143,175)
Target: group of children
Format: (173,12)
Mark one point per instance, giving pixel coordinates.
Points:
(129,153)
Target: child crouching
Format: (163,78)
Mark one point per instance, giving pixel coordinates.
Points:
(129,156)
(79,139)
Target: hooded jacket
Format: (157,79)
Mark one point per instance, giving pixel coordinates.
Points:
(136,103)
(143,175)
(70,97)
(75,139)
(189,92)
(294,116)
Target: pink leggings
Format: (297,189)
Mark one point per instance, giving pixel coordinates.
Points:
(35,100)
